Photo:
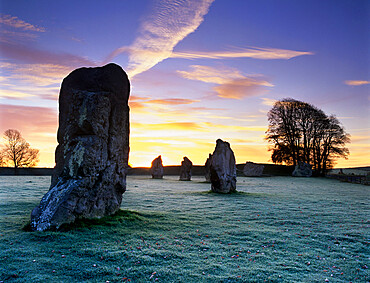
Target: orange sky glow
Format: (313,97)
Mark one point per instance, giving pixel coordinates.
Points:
(199,70)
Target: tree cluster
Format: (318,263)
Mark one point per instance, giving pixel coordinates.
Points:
(17,151)
(300,132)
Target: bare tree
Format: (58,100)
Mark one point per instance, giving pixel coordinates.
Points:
(300,131)
(17,151)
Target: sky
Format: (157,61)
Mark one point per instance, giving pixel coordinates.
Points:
(199,69)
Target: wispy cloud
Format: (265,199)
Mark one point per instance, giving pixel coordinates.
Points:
(13,29)
(17,23)
(8,36)
(252,52)
(36,68)
(357,83)
(191,127)
(241,88)
(14,94)
(141,102)
(230,118)
(24,81)
(169,23)
(28,119)
(24,64)
(203,108)
(231,82)
(37,74)
(145,104)
(179,126)
(208,74)
(32,55)
(268,101)
(173,101)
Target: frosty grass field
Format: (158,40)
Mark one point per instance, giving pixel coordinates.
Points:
(276,229)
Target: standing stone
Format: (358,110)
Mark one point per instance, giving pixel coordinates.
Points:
(252,169)
(157,168)
(92,155)
(223,168)
(367,179)
(185,170)
(207,168)
(302,169)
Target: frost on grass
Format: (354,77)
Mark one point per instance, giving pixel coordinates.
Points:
(278,229)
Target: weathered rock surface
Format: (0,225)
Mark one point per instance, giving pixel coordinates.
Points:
(252,169)
(157,168)
(92,155)
(185,170)
(207,168)
(302,169)
(223,168)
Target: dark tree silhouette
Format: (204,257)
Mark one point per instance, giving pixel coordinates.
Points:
(17,151)
(299,131)
(2,161)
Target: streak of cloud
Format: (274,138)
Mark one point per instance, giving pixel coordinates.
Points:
(14,94)
(254,52)
(36,74)
(32,55)
(357,83)
(39,69)
(268,101)
(28,119)
(142,102)
(15,22)
(231,83)
(180,126)
(173,101)
(137,105)
(211,75)
(241,88)
(203,108)
(8,36)
(193,126)
(169,23)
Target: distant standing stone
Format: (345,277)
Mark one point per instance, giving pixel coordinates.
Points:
(252,169)
(207,168)
(185,170)
(223,168)
(157,168)
(367,179)
(92,155)
(302,169)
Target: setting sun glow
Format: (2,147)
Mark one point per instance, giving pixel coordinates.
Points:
(199,70)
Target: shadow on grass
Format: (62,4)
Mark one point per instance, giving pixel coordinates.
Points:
(120,217)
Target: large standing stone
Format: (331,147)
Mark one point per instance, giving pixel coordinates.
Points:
(252,169)
(92,156)
(223,168)
(185,170)
(302,169)
(207,168)
(157,168)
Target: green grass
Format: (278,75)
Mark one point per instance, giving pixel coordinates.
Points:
(277,229)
